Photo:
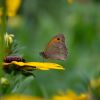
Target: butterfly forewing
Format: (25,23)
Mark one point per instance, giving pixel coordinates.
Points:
(56,48)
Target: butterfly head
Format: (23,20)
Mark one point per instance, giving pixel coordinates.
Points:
(59,38)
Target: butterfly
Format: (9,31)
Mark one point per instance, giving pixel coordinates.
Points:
(55,49)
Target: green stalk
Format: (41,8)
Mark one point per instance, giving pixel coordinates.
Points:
(2,47)
(2,32)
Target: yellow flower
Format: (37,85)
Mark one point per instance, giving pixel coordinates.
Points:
(71,96)
(20,97)
(8,38)
(16,21)
(36,65)
(70,1)
(95,88)
(12,7)
(95,83)
(4,81)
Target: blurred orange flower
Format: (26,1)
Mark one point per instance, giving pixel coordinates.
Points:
(0,14)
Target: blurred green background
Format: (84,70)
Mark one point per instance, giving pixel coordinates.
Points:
(37,22)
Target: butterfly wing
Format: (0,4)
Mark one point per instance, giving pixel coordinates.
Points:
(56,48)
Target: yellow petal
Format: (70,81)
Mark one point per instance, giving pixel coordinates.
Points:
(12,7)
(38,65)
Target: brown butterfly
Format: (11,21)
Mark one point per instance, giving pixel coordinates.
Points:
(56,48)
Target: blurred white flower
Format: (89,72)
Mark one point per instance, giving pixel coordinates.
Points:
(4,81)
(8,38)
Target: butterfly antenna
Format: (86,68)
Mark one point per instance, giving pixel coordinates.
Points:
(43,60)
(42,54)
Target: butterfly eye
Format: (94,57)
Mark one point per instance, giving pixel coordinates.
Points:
(58,38)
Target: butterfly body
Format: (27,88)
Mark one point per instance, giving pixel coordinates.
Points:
(56,48)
